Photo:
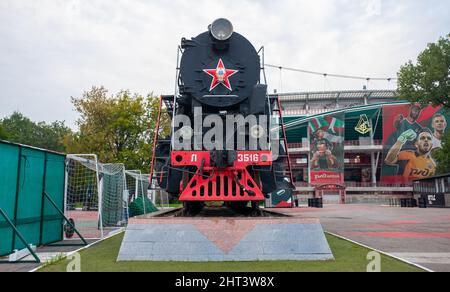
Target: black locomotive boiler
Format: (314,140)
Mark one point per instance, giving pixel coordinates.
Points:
(219,74)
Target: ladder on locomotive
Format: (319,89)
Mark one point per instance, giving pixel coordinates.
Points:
(167,100)
(278,111)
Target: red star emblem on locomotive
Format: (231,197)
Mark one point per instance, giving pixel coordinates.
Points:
(220,75)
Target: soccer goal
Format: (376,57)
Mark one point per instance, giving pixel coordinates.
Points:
(94,196)
(114,202)
(140,198)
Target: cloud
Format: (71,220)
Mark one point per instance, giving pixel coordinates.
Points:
(53,49)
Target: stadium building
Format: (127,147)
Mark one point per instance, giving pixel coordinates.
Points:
(359,146)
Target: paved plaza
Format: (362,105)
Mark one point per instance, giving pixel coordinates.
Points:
(421,236)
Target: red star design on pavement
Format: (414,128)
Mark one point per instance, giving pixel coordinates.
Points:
(220,75)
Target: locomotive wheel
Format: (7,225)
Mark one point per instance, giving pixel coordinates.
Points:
(256,211)
(239,207)
(192,208)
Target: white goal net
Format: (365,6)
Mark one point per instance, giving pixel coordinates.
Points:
(141,194)
(95,195)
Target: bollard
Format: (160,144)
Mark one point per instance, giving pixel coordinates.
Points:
(403,203)
(315,203)
(422,203)
(408,203)
(319,203)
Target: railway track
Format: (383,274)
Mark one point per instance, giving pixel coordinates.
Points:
(221,211)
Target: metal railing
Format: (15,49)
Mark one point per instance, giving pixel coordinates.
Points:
(346,143)
(305,112)
(377,185)
(362,143)
(431,188)
(298,145)
(361,185)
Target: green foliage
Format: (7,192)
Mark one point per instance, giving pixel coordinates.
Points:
(442,156)
(428,80)
(20,129)
(118,128)
(54,260)
(3,134)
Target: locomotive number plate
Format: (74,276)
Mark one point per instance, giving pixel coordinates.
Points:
(248,157)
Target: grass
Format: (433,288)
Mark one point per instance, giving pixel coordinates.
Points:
(174,205)
(54,260)
(349,257)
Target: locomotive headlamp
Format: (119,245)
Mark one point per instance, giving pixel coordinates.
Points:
(221,29)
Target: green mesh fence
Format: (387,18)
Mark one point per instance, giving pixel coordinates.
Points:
(113,181)
(137,207)
(25,174)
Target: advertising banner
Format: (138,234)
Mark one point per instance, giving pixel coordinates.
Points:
(411,134)
(326,135)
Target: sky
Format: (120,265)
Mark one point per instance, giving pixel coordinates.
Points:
(51,50)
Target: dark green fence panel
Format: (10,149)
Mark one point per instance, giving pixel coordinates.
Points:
(9,158)
(54,186)
(28,216)
(25,173)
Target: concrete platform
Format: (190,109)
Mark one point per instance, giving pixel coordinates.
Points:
(224,239)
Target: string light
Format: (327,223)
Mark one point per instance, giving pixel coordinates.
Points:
(389,79)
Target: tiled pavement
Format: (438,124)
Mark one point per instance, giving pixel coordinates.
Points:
(421,236)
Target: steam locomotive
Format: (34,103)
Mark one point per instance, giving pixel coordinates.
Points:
(219,76)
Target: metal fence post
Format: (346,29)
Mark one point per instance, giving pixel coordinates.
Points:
(41,229)
(17,232)
(64,216)
(16,203)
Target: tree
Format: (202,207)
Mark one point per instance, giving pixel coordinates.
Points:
(20,129)
(442,156)
(3,134)
(118,128)
(427,81)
